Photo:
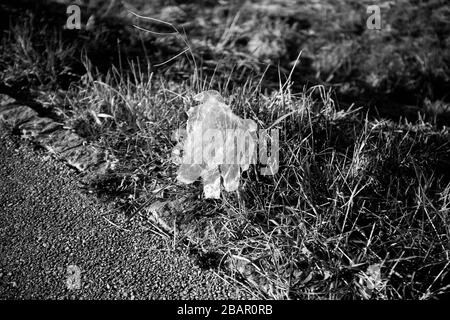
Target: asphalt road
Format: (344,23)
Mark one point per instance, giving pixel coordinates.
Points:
(50,232)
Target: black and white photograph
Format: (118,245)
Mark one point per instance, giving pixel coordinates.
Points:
(244,151)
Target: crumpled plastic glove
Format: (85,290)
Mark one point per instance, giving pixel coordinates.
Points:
(218,144)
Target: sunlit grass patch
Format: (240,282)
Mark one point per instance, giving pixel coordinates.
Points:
(358,209)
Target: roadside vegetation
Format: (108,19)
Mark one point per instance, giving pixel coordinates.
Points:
(359,208)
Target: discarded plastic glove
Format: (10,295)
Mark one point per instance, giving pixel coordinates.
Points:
(218,144)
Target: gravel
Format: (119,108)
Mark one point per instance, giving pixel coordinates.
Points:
(48,224)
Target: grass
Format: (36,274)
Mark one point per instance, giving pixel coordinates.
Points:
(359,208)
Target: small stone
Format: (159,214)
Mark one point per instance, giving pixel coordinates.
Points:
(82,157)
(36,126)
(102,167)
(60,141)
(5,99)
(16,114)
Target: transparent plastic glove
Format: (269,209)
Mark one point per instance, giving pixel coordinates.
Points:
(217,144)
